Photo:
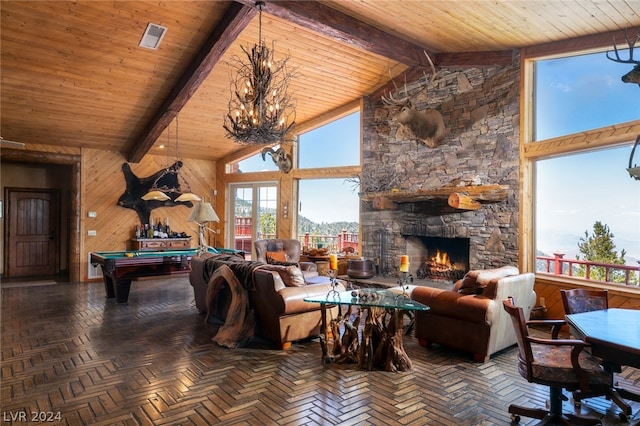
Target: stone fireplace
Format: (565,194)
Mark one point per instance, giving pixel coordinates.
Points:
(481,147)
(438,258)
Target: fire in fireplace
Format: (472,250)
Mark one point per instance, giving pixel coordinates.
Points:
(440,258)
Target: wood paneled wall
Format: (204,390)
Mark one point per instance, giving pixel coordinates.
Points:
(98,188)
(619,297)
(103,184)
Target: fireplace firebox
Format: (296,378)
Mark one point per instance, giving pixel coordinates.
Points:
(439,258)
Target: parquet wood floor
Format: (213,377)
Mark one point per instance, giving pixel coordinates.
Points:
(67,350)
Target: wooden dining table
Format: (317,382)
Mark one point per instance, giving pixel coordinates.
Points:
(614,336)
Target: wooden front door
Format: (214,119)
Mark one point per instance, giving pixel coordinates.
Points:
(32,242)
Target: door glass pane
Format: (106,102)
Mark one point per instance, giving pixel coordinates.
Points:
(242,217)
(267,211)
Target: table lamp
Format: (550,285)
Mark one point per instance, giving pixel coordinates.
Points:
(201,214)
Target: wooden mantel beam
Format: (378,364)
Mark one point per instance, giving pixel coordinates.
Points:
(234,21)
(466,197)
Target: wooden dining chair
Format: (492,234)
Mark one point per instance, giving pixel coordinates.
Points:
(580,300)
(557,363)
(577,301)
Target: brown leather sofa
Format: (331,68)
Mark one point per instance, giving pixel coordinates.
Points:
(470,317)
(282,315)
(276,295)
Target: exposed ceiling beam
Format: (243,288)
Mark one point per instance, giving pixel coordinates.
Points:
(347,29)
(234,21)
(337,25)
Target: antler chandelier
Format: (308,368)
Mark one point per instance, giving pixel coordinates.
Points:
(260,110)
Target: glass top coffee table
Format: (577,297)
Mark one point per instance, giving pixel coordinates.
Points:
(377,345)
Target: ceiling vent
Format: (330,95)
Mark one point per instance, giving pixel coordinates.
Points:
(152,36)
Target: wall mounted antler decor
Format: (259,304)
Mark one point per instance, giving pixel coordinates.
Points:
(632,76)
(280,157)
(428,126)
(137,187)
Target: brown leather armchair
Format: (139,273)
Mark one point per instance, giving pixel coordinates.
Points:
(470,317)
(292,250)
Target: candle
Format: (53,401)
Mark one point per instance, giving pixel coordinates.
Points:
(333,261)
(404,263)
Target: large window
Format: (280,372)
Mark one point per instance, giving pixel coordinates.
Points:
(328,214)
(332,145)
(328,208)
(584,194)
(580,93)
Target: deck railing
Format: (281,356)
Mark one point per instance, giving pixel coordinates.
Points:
(558,265)
(333,243)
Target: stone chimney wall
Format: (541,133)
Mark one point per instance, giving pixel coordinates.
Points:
(481,111)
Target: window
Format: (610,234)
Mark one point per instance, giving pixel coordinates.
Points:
(575,186)
(334,144)
(580,93)
(328,215)
(329,205)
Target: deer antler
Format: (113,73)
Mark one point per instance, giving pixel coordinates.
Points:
(631,46)
(433,67)
(390,100)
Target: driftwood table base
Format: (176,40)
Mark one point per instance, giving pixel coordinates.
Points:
(378,347)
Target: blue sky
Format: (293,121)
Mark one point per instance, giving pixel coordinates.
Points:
(573,95)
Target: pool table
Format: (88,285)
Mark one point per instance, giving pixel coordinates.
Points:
(119,267)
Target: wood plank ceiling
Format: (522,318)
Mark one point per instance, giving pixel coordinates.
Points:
(73,74)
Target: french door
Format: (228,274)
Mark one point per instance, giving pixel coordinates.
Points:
(253,213)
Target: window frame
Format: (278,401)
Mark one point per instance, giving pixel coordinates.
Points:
(532,150)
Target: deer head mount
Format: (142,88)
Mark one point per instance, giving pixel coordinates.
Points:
(280,157)
(428,125)
(632,76)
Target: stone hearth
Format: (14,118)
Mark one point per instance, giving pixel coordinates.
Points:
(481,147)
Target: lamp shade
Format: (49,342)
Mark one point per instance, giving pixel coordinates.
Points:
(155,195)
(203,212)
(188,196)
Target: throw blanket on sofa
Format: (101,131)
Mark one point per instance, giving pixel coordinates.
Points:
(242,269)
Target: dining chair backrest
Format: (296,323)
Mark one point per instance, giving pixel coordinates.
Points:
(525,353)
(580,300)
